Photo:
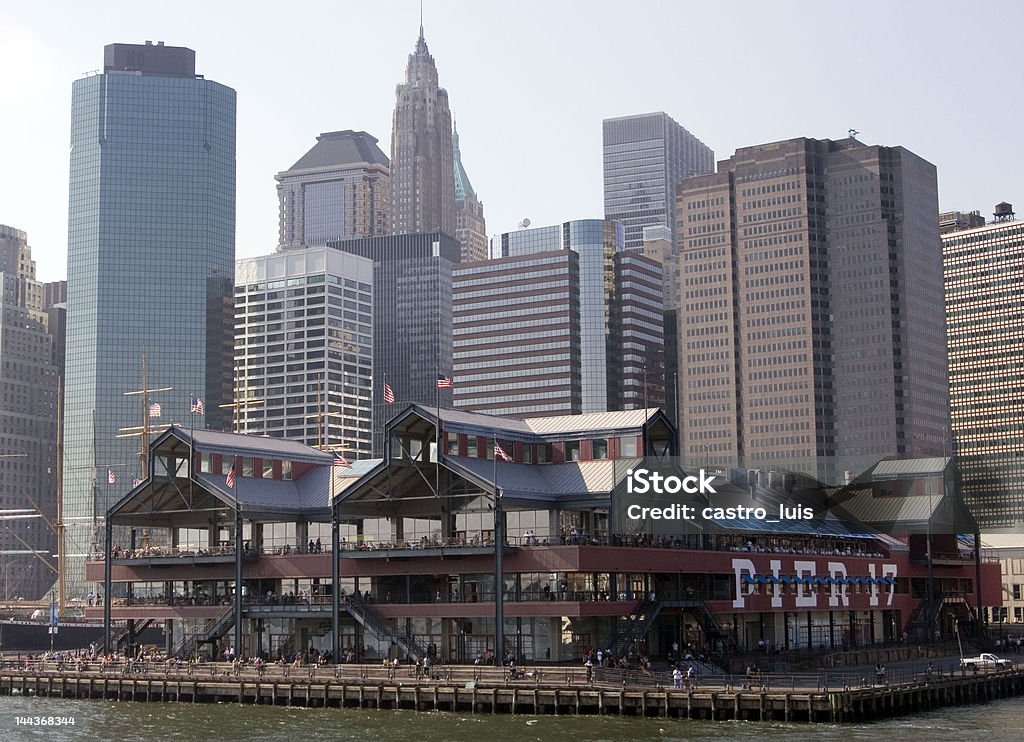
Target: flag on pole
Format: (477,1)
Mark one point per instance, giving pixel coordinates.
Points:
(197,406)
(111,479)
(500,452)
(444,382)
(154,409)
(340,461)
(230,481)
(389,394)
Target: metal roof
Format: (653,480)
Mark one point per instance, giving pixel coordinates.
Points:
(551,481)
(253,445)
(923,467)
(862,506)
(308,495)
(594,423)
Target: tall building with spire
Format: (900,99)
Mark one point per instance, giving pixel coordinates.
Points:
(422,177)
(470,227)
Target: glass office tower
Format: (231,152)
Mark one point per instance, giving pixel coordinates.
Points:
(150,271)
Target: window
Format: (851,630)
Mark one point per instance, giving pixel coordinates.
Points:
(286,470)
(600,448)
(1016,592)
(572,450)
(627,447)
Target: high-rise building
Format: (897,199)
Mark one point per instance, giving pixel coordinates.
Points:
(538,332)
(304,348)
(412,319)
(954,221)
(340,189)
(470,226)
(151,263)
(986,341)
(809,334)
(28,422)
(422,177)
(645,157)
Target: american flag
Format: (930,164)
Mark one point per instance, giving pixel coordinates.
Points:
(111,478)
(500,452)
(197,406)
(230,481)
(340,461)
(154,409)
(389,394)
(444,382)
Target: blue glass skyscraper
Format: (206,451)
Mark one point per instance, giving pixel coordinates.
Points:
(151,250)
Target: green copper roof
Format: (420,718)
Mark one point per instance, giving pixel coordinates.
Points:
(462,184)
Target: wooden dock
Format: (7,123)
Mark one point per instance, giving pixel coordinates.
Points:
(515,697)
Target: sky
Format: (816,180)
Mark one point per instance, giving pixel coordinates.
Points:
(529,83)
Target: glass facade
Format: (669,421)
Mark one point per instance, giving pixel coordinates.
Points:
(150,270)
(304,349)
(412,319)
(986,340)
(645,157)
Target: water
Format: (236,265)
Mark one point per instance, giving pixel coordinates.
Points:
(152,722)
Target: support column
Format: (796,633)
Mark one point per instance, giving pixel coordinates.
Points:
(238,580)
(335,587)
(302,536)
(108,539)
(499,581)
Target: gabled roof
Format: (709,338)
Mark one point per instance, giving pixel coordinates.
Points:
(335,149)
(238,444)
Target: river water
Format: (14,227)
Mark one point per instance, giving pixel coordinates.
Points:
(151,722)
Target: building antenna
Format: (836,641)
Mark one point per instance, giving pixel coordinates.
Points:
(853,133)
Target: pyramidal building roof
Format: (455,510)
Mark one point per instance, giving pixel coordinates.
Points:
(334,148)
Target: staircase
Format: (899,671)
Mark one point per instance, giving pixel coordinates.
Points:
(222,624)
(632,628)
(369,619)
(713,629)
(121,637)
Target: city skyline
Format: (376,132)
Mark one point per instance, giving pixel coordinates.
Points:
(896,97)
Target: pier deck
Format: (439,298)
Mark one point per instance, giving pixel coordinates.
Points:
(490,690)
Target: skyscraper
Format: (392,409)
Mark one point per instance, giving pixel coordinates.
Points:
(645,157)
(311,373)
(539,332)
(470,226)
(809,331)
(341,188)
(422,176)
(28,422)
(986,342)
(412,319)
(150,270)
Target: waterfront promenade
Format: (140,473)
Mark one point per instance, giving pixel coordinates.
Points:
(806,697)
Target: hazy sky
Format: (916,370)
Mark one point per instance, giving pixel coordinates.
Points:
(529,83)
